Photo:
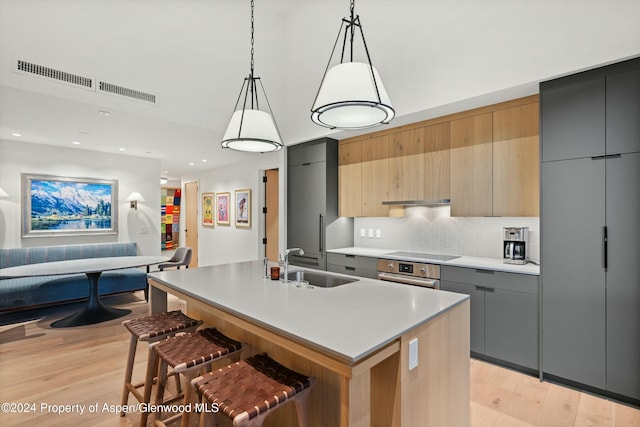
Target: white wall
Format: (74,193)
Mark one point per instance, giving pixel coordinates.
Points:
(432,229)
(133,174)
(442,56)
(223,244)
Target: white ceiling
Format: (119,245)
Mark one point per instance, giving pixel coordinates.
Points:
(435,57)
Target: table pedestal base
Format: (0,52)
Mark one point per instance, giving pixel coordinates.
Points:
(94,311)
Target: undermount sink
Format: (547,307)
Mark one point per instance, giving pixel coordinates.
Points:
(318,279)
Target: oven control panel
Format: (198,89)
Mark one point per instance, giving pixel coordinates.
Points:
(416,269)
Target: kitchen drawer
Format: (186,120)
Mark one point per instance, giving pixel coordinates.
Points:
(362,262)
(352,271)
(491,279)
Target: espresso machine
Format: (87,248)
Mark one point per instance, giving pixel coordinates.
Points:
(516,245)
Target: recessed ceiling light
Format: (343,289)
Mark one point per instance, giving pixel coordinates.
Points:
(16,134)
(75,142)
(122,149)
(190,163)
(104,113)
(204,160)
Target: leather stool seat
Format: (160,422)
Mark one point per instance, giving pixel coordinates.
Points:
(248,390)
(187,355)
(151,329)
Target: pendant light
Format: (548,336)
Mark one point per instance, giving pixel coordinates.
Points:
(351,94)
(250,128)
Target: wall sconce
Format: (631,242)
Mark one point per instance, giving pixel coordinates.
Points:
(3,193)
(134,198)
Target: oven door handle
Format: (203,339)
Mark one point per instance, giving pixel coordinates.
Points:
(428,283)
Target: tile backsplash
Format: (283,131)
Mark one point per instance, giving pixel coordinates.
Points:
(432,229)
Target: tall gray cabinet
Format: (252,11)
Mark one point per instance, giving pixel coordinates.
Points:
(312,203)
(590,229)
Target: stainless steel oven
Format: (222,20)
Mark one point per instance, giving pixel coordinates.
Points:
(409,273)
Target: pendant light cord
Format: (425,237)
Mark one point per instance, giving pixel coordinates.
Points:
(252,20)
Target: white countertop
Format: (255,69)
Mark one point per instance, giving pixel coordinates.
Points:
(495,264)
(350,321)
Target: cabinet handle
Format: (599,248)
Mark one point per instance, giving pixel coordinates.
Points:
(350,268)
(608,156)
(606,246)
(320,232)
(349,256)
(485,289)
(484,271)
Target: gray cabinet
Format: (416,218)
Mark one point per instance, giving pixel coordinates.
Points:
(504,312)
(572,259)
(575,115)
(312,203)
(590,229)
(353,265)
(623,275)
(476,302)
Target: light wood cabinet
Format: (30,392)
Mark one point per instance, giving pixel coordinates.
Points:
(516,158)
(471,166)
(484,160)
(406,168)
(375,176)
(350,179)
(436,161)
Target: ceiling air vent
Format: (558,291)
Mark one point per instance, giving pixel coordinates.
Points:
(52,73)
(131,93)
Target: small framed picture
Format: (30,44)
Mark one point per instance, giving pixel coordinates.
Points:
(207,209)
(222,208)
(243,208)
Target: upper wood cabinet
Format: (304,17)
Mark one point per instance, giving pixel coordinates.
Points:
(350,179)
(375,176)
(436,161)
(485,160)
(471,166)
(406,165)
(516,167)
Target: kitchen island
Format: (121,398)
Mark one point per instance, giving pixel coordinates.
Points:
(353,338)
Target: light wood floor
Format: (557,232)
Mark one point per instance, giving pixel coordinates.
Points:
(84,366)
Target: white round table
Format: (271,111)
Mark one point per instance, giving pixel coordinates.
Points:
(94,310)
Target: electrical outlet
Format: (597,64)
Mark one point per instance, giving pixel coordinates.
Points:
(371,233)
(378,233)
(413,353)
(363,232)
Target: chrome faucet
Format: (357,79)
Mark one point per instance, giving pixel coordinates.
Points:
(285,278)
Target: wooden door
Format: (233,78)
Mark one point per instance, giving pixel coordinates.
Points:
(516,161)
(191,220)
(350,179)
(471,168)
(272,215)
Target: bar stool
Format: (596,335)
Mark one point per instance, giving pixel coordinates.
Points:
(150,329)
(187,355)
(249,390)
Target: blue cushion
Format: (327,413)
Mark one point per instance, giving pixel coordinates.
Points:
(28,291)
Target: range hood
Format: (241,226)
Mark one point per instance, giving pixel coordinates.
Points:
(438,202)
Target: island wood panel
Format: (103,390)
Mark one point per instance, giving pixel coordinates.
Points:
(350,179)
(441,381)
(516,168)
(375,176)
(406,168)
(471,166)
(437,162)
